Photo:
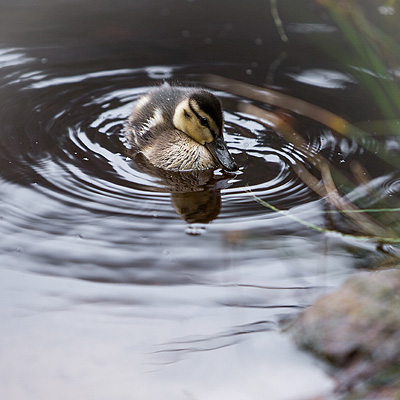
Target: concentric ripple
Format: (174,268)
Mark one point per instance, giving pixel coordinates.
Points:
(69,180)
(71,145)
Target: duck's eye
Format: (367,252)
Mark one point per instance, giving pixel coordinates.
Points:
(204,121)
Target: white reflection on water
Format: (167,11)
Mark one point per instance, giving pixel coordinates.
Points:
(101,341)
(323,78)
(11,57)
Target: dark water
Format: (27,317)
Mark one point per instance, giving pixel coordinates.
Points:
(106,291)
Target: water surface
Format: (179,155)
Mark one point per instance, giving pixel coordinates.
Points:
(109,290)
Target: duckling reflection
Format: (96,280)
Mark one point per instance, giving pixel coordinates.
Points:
(197,207)
(195,195)
(176,134)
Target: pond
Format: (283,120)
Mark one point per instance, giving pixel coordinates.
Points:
(110,287)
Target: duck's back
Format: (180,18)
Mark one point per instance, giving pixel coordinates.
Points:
(153,113)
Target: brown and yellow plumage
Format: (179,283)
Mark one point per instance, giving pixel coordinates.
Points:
(179,128)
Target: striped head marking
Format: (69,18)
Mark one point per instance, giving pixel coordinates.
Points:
(200,117)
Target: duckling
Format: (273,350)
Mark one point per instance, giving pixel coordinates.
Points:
(179,129)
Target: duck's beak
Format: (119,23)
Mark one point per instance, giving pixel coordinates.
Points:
(221,153)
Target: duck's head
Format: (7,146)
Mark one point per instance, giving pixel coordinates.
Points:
(199,115)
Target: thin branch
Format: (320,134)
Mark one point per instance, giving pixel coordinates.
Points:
(278,21)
